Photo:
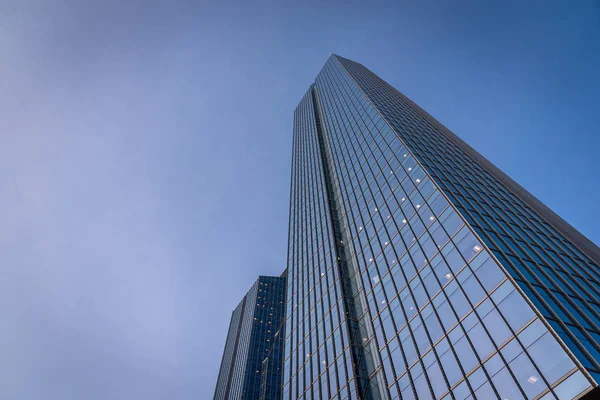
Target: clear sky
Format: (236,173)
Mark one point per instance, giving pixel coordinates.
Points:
(145,151)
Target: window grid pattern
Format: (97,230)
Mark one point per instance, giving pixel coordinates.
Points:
(270,385)
(562,282)
(243,346)
(317,359)
(445,319)
(251,332)
(268,315)
(222,389)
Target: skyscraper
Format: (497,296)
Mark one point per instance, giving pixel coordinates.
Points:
(252,330)
(417,269)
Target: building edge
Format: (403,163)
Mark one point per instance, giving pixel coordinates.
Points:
(577,238)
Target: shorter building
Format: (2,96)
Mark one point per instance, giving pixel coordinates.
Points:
(254,328)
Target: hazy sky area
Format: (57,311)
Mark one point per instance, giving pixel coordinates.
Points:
(145,152)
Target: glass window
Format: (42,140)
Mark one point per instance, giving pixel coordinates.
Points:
(420,337)
(433,327)
(527,376)
(441,270)
(453,258)
(511,350)
(451,221)
(461,391)
(419,293)
(409,349)
(550,358)
(494,364)
(481,341)
(457,299)
(468,246)
(532,333)
(516,310)
(444,311)
(437,379)
(506,386)
(477,378)
(471,287)
(465,354)
(572,386)
(496,327)
(438,203)
(451,368)
(422,387)
(485,391)
(407,394)
(488,272)
(439,235)
(429,280)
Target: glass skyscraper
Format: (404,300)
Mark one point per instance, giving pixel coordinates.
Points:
(252,331)
(417,269)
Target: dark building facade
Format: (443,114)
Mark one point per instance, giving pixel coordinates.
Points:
(272,368)
(417,269)
(252,332)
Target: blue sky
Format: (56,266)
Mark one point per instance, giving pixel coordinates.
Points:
(145,159)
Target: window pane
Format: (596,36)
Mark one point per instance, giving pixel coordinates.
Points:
(550,358)
(516,310)
(572,386)
(527,376)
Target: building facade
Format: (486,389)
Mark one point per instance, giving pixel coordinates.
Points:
(272,368)
(417,269)
(252,331)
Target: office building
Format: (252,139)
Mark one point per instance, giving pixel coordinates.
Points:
(252,331)
(417,269)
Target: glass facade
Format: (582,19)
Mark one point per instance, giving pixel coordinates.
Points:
(252,331)
(417,269)
(318,363)
(270,384)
